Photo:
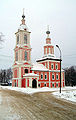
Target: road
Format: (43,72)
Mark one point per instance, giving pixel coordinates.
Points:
(39,106)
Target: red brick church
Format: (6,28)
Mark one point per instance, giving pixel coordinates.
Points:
(44,73)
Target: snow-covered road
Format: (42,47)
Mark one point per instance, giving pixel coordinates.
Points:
(68,93)
(38,106)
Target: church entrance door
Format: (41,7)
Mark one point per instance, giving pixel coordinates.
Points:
(34,83)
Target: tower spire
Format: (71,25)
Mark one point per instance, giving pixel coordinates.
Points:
(23,11)
(23,16)
(47,32)
(48,39)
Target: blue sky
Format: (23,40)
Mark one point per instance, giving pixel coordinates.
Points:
(58,14)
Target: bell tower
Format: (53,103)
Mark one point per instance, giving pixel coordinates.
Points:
(48,51)
(23,49)
(22,52)
(48,48)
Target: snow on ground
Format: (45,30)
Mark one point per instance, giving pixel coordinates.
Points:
(0,99)
(30,90)
(68,93)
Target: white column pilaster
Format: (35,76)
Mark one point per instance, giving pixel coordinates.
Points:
(49,74)
(19,81)
(49,79)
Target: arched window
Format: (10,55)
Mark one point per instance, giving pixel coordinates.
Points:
(45,76)
(52,84)
(16,56)
(45,85)
(56,66)
(41,76)
(53,77)
(25,55)
(57,76)
(25,39)
(39,84)
(52,66)
(18,39)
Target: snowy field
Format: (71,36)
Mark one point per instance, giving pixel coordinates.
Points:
(68,93)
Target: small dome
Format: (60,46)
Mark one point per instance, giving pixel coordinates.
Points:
(47,32)
(23,27)
(23,16)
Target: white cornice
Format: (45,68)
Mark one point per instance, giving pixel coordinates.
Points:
(49,70)
(23,46)
(22,31)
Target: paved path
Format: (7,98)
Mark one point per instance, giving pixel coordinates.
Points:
(39,106)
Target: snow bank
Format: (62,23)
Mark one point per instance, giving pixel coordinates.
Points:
(0,99)
(68,95)
(30,90)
